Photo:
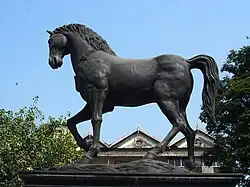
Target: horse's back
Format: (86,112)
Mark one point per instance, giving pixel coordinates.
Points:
(125,73)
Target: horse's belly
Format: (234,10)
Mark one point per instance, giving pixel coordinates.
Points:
(131,98)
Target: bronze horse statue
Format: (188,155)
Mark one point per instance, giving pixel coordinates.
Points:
(105,80)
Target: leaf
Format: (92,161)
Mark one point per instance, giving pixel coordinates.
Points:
(232,131)
(28,142)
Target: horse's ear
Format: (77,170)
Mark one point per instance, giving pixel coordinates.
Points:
(50,32)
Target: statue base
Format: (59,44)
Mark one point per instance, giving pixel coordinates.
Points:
(137,173)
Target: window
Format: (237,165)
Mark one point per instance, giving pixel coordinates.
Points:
(177,162)
(139,143)
(171,161)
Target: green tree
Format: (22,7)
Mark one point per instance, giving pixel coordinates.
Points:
(27,142)
(232,131)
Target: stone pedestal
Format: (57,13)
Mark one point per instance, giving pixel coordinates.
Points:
(75,179)
(144,173)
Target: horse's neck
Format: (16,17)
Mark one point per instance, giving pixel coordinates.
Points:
(78,48)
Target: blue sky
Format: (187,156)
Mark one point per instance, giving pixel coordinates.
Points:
(136,29)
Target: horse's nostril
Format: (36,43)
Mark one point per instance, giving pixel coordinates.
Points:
(55,61)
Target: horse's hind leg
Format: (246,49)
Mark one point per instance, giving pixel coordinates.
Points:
(177,117)
(190,136)
(170,109)
(174,110)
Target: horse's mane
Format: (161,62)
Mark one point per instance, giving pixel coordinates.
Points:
(91,37)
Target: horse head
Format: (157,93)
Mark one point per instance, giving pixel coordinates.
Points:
(57,49)
(58,42)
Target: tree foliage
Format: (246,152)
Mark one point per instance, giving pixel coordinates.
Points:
(27,142)
(232,131)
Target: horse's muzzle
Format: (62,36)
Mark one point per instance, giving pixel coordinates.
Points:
(55,62)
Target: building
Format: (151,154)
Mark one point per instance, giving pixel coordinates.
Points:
(135,144)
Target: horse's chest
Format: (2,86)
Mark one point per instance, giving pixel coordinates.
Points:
(81,86)
(92,72)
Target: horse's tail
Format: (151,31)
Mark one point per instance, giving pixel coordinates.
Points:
(211,81)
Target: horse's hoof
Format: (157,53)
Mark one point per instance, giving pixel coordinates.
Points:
(191,166)
(86,159)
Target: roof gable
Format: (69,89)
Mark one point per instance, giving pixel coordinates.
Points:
(202,139)
(135,139)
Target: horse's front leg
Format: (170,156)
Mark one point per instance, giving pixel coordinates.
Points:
(97,99)
(83,115)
